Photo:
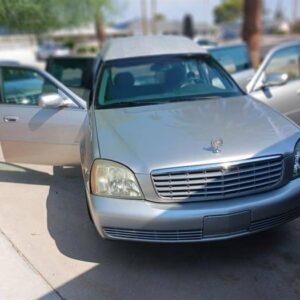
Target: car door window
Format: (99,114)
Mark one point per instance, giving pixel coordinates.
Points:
(285,61)
(76,73)
(24,86)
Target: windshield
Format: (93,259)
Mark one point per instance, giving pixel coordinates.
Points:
(156,80)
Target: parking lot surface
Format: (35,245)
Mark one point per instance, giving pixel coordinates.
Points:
(43,213)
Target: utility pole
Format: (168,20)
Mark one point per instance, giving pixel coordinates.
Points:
(206,9)
(153,16)
(144,17)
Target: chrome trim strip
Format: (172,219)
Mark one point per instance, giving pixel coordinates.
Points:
(212,166)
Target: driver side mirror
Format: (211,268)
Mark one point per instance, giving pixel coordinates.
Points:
(55,101)
(276,79)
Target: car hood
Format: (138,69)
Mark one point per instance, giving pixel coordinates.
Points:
(147,138)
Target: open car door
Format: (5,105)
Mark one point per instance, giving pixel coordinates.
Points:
(277,81)
(41,121)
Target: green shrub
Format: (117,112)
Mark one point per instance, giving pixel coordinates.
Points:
(69,43)
(82,50)
(93,49)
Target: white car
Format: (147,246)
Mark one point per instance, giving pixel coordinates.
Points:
(171,149)
(50,49)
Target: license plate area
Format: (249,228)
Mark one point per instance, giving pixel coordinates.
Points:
(229,224)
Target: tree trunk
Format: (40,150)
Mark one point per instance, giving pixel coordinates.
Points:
(252,28)
(100,30)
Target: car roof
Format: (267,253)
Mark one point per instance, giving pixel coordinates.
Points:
(284,45)
(141,46)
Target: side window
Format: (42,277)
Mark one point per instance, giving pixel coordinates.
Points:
(242,58)
(285,61)
(72,77)
(24,86)
(234,59)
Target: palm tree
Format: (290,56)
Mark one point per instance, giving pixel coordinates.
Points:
(252,28)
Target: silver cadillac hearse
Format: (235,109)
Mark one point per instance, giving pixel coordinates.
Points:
(171,149)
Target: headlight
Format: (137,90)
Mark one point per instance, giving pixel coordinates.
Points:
(110,179)
(296,172)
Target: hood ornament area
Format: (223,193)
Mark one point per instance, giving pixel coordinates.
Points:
(216,145)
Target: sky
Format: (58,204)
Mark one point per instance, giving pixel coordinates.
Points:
(202,10)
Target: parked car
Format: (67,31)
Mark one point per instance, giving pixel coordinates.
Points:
(49,49)
(236,60)
(11,62)
(205,42)
(171,149)
(76,72)
(277,81)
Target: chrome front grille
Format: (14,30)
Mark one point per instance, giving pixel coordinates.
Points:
(219,181)
(154,235)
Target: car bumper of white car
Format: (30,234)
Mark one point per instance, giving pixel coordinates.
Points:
(140,220)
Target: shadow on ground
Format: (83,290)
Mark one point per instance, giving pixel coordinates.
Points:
(265,265)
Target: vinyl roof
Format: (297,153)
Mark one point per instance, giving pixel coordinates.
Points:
(139,46)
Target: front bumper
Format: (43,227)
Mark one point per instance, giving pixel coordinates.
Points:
(140,220)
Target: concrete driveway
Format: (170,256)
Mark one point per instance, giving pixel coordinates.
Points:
(43,214)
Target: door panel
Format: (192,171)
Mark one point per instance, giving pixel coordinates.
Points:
(284,98)
(243,78)
(31,134)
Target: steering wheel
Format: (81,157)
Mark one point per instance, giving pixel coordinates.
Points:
(188,82)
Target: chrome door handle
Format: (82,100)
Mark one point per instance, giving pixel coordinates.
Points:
(10,119)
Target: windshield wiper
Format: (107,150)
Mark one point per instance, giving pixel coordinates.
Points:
(131,104)
(192,98)
(163,101)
